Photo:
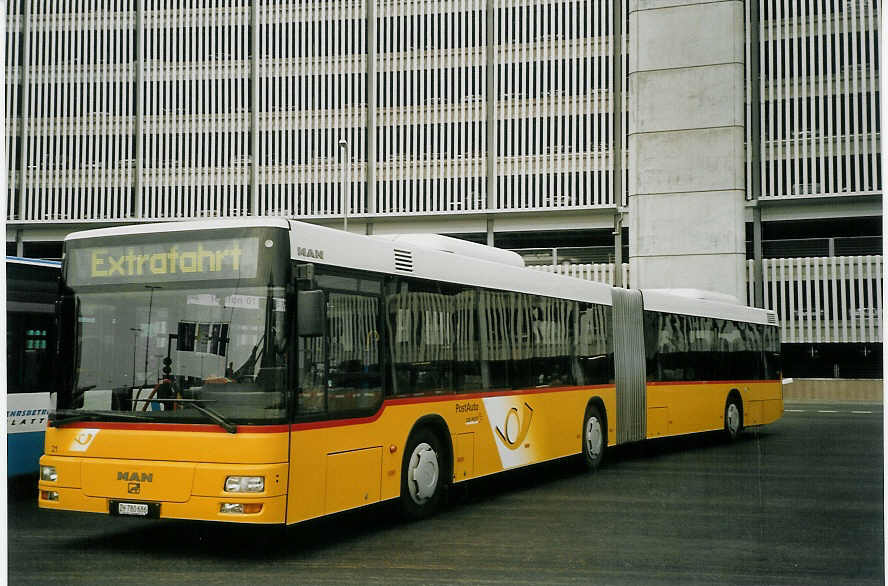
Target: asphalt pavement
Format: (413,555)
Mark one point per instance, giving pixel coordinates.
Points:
(796,502)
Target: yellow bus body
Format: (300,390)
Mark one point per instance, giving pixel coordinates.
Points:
(682,408)
(318,468)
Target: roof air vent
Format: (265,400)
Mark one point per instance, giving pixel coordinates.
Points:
(403,260)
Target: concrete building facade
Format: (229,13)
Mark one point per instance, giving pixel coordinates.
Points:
(734,145)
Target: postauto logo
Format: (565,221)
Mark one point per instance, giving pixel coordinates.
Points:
(205,259)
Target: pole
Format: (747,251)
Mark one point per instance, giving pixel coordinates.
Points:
(25,120)
(135,332)
(371,112)
(755,153)
(345,200)
(254,107)
(491,90)
(618,249)
(148,329)
(617,94)
(137,203)
(617,146)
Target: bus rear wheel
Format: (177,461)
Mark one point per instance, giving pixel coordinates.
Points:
(594,438)
(733,418)
(423,474)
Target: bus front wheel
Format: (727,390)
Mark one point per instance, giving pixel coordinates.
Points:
(733,418)
(422,475)
(594,438)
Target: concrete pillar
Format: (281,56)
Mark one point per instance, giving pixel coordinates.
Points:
(254,108)
(138,209)
(25,119)
(371,112)
(686,158)
(491,91)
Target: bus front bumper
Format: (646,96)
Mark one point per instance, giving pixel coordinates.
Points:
(199,508)
(166,490)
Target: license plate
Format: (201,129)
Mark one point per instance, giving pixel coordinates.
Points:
(135,509)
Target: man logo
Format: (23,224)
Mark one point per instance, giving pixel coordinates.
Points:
(136,476)
(133,488)
(515,428)
(310,252)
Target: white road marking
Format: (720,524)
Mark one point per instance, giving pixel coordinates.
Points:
(828,411)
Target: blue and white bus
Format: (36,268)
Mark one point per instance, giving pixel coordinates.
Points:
(31,291)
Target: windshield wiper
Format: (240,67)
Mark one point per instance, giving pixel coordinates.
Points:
(199,406)
(84,415)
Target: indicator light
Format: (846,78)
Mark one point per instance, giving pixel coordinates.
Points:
(240,508)
(49,495)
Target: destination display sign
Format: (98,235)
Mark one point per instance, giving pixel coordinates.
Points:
(227,258)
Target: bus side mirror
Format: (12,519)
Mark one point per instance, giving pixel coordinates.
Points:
(311,313)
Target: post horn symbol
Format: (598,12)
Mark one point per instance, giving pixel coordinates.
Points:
(515,427)
(83,438)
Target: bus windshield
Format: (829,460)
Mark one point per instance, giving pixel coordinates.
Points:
(172,350)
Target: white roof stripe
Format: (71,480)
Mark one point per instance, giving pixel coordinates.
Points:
(220,223)
(39,262)
(345,249)
(659,301)
(377,254)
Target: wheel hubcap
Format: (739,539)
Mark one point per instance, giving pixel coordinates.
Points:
(733,418)
(593,437)
(422,473)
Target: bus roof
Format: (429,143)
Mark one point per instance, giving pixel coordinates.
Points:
(408,258)
(414,257)
(670,302)
(209,224)
(39,262)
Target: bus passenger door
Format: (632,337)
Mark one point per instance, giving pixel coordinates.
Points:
(334,466)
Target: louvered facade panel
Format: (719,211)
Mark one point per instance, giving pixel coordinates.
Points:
(312,109)
(196,100)
(142,110)
(137,110)
(70,110)
(819,106)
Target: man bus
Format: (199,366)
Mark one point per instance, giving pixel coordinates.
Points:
(269,371)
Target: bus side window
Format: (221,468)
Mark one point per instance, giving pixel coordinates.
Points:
(553,342)
(595,344)
(338,356)
(311,359)
(29,347)
(432,337)
(772,359)
(355,375)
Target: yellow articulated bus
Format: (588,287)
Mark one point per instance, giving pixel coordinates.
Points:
(267,371)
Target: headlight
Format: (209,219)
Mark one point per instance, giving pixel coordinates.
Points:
(48,473)
(245,484)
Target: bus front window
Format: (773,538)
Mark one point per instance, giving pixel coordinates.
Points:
(157,350)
